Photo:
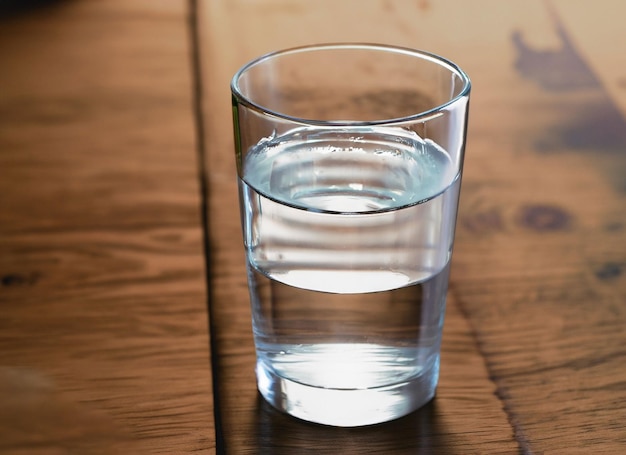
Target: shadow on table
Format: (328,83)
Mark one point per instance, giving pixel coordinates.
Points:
(419,432)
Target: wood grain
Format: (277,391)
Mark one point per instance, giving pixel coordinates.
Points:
(104,345)
(534,340)
(103,324)
(541,246)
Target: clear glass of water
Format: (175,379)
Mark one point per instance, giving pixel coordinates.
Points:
(349,159)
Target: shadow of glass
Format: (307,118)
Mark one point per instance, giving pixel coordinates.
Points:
(420,432)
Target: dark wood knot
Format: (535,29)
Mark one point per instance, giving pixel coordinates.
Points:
(545,218)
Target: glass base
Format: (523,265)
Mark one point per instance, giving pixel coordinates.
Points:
(347,407)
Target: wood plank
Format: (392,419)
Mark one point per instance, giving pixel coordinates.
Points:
(538,270)
(103,329)
(541,252)
(467,416)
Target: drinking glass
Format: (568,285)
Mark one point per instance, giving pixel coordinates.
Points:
(349,159)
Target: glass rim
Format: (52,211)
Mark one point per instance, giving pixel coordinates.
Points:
(417,53)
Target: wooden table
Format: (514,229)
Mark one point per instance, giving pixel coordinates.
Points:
(119,222)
